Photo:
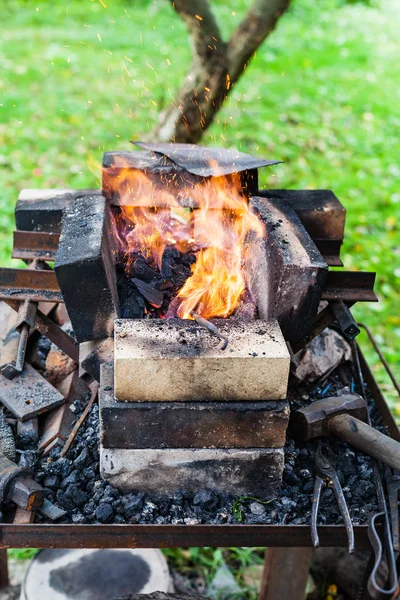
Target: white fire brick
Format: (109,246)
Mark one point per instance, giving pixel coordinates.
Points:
(179,360)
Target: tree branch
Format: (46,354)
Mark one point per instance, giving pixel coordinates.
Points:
(258,23)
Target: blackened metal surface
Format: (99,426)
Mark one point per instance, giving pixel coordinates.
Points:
(207,161)
(29,394)
(330,250)
(26,284)
(320,211)
(85,268)
(31,245)
(350,286)
(41,210)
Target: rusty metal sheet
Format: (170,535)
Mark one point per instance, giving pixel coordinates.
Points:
(350,286)
(31,245)
(29,394)
(207,161)
(36,285)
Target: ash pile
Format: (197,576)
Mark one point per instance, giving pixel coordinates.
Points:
(164,370)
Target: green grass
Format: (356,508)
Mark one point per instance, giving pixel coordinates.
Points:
(322,94)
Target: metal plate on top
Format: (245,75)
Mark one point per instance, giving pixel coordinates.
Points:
(28,394)
(207,162)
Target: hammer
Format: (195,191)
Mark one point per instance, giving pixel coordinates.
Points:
(343,417)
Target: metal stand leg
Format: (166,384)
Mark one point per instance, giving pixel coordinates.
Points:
(285,573)
(4,581)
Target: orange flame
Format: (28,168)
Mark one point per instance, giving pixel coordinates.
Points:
(218,230)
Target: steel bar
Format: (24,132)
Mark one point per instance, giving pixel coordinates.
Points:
(22,284)
(330,250)
(350,286)
(35,245)
(48,328)
(174,536)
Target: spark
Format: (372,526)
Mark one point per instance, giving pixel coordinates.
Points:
(198,17)
(127,58)
(103,4)
(98,35)
(150,67)
(168,62)
(155,103)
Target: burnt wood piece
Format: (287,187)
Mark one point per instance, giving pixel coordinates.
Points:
(287,271)
(29,394)
(94,353)
(85,269)
(41,210)
(190,424)
(120,170)
(321,213)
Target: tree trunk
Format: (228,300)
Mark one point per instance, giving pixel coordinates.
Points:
(216,65)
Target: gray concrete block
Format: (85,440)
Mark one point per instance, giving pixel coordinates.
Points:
(159,360)
(250,471)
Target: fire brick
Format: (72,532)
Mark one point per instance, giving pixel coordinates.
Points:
(287,271)
(41,210)
(238,472)
(178,360)
(129,425)
(85,270)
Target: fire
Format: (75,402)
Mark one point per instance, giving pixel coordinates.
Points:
(218,230)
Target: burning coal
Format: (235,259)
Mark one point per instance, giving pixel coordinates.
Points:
(217,230)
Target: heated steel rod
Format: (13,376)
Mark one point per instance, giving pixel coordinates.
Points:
(211,328)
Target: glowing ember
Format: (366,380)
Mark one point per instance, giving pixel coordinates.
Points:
(218,231)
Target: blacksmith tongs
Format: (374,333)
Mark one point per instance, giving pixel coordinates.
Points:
(326,476)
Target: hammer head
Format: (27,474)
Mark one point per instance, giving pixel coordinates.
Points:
(313,420)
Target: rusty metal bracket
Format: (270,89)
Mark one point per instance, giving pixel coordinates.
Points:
(35,245)
(330,250)
(48,328)
(29,284)
(350,286)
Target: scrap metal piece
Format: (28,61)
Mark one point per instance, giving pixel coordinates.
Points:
(211,328)
(9,471)
(26,493)
(29,394)
(94,389)
(51,511)
(26,284)
(35,245)
(350,286)
(345,320)
(327,477)
(7,441)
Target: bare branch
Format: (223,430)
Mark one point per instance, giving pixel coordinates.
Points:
(258,23)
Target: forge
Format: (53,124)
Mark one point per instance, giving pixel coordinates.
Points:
(189,291)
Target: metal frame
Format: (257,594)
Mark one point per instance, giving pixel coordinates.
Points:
(170,536)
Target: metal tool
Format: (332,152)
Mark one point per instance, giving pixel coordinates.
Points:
(25,323)
(375,590)
(393,487)
(345,320)
(327,476)
(344,417)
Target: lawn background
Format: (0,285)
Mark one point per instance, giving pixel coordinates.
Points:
(80,77)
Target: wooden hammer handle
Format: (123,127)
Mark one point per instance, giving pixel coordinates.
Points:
(367,439)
